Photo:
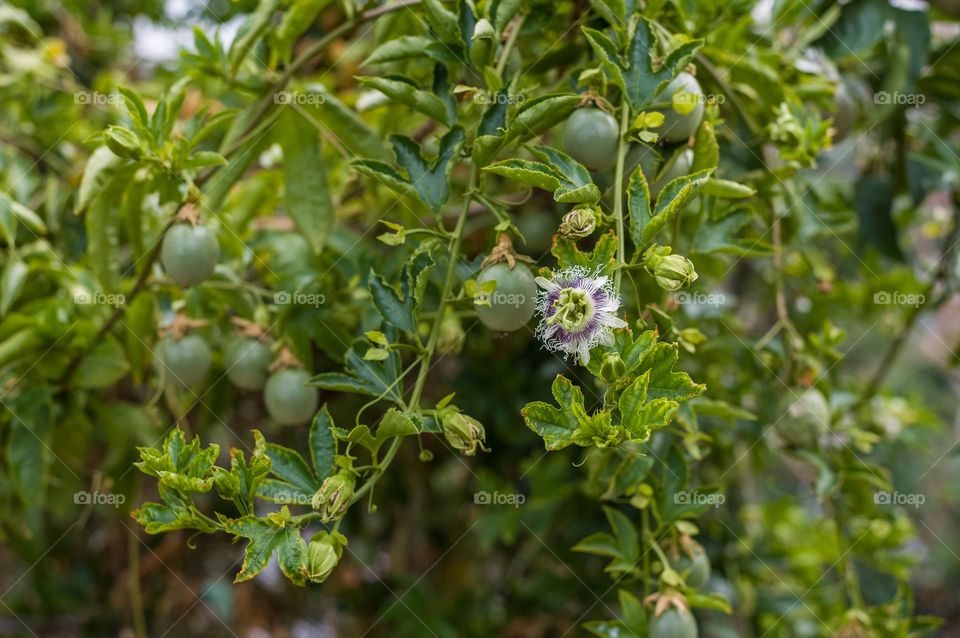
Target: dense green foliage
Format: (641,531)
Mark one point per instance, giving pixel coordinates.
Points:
(480,318)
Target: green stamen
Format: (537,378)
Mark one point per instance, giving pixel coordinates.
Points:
(574,308)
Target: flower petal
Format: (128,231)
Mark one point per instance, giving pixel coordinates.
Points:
(546,284)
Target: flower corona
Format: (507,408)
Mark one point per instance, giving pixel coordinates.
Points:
(578,312)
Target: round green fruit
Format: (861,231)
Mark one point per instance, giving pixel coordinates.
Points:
(591,137)
(696,568)
(189,253)
(537,227)
(676,127)
(514,300)
(673,623)
(804,419)
(246,361)
(289,400)
(677,167)
(658,170)
(648,159)
(185,361)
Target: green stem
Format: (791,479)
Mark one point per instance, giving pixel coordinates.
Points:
(508,45)
(427,357)
(645,531)
(133,583)
(454,251)
(618,194)
(649,538)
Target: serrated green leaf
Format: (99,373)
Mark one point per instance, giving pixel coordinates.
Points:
(204,159)
(528,172)
(706,151)
(306,193)
(290,466)
(443,21)
(576,183)
(14,276)
(613,11)
(407,93)
(386,175)
(711,600)
(625,533)
(323,446)
(372,378)
(28,444)
(727,189)
(8,224)
(602,258)
(534,118)
(263,539)
(586,194)
(430,180)
(394,310)
(607,54)
(251,30)
(395,423)
(641,415)
(283,493)
(641,81)
(664,381)
(671,200)
(343,122)
(296,21)
(599,543)
(638,206)
(632,612)
(28,217)
(401,48)
(556,426)
(96,175)
(103,366)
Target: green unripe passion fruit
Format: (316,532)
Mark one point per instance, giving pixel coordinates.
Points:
(805,418)
(537,227)
(676,127)
(673,623)
(246,360)
(514,300)
(591,137)
(189,253)
(652,165)
(696,568)
(185,361)
(289,400)
(678,167)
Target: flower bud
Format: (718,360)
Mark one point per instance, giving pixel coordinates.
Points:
(463,432)
(675,272)
(612,368)
(482,41)
(333,497)
(672,272)
(227,484)
(323,554)
(578,223)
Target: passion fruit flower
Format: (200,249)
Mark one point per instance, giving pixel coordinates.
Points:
(578,309)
